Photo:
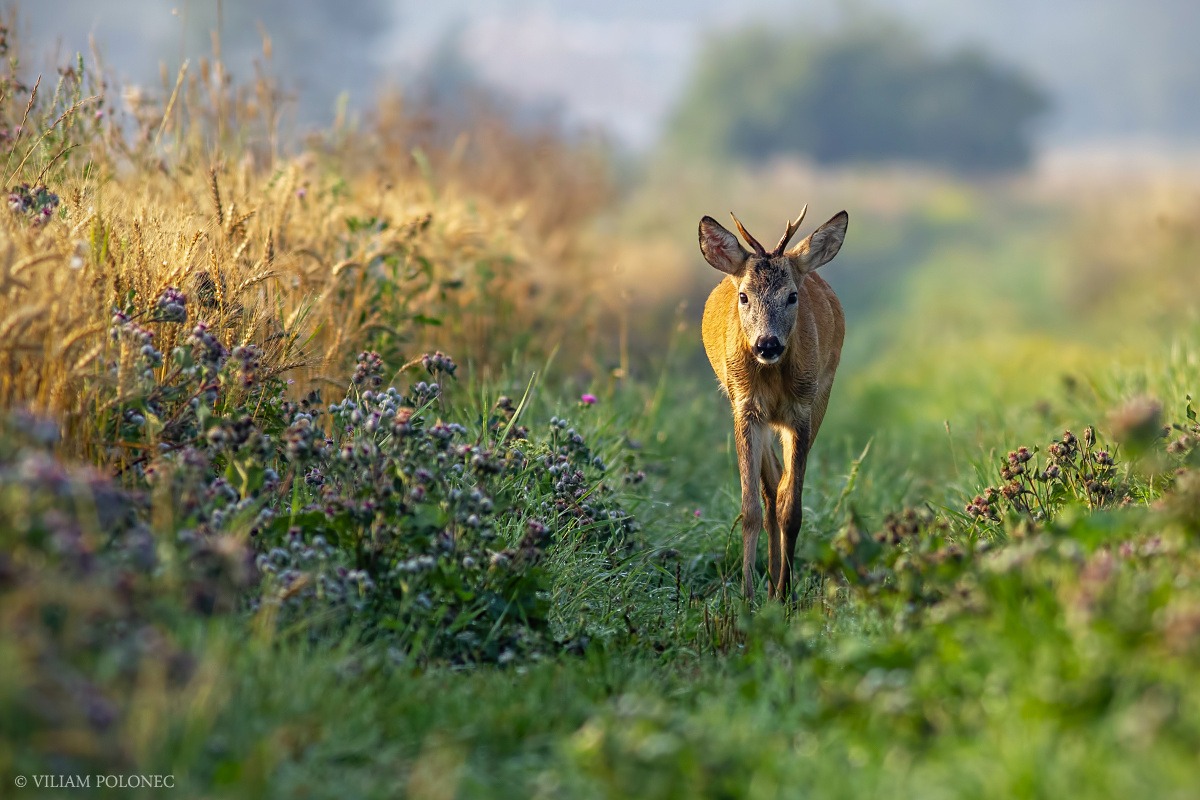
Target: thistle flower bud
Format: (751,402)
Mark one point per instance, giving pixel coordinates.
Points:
(1137,423)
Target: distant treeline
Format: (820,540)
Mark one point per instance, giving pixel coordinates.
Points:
(867,93)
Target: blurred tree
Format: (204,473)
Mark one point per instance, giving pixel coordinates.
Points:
(866,93)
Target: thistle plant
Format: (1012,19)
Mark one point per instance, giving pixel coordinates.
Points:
(1074,469)
(36,204)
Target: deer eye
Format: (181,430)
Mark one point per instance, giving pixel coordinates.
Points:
(742,298)
(792,298)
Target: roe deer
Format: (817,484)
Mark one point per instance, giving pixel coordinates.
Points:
(773,333)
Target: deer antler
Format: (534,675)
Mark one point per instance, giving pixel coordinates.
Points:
(792,227)
(750,240)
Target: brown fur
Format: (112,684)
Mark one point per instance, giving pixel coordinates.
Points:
(789,396)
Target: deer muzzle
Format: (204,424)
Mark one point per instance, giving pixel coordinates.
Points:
(768,349)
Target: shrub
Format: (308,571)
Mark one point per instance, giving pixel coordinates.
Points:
(373,511)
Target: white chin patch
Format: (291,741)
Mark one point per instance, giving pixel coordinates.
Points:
(768,361)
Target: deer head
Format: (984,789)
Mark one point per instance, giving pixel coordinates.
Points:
(768,283)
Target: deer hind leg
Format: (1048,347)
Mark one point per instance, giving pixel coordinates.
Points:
(820,404)
(771,472)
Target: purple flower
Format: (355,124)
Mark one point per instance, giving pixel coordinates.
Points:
(172,305)
(587,399)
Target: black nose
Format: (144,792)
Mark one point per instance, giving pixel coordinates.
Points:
(768,347)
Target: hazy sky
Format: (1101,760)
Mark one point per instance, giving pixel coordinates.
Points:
(619,64)
(1117,69)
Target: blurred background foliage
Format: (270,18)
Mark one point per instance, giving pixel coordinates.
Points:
(870,92)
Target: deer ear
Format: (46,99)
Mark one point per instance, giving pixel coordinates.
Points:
(721,248)
(820,246)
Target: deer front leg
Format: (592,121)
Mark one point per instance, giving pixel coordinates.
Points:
(790,507)
(748,437)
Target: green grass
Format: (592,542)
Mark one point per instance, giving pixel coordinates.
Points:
(1020,658)
(1034,673)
